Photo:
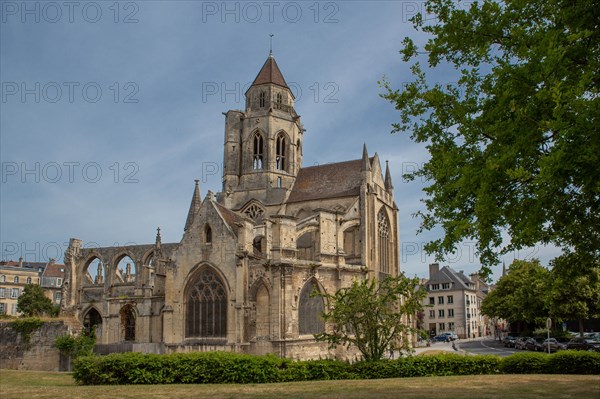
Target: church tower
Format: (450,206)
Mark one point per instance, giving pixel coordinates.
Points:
(263,146)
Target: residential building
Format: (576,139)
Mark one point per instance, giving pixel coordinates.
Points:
(452,303)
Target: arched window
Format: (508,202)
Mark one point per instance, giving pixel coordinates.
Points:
(262,99)
(28,280)
(92,322)
(383,232)
(279,101)
(257,152)
(280,153)
(254,212)
(94,272)
(310,309)
(207,234)
(206,314)
(263,313)
(2,278)
(126,270)
(16,279)
(128,323)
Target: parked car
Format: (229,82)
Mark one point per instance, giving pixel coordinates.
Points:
(509,341)
(450,335)
(534,344)
(520,343)
(583,343)
(555,344)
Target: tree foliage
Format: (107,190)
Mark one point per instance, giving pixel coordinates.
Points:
(574,293)
(373,315)
(520,295)
(515,144)
(33,302)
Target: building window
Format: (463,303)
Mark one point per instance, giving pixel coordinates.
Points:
(57,296)
(442,326)
(206,307)
(14,293)
(431,300)
(2,308)
(451,326)
(435,287)
(128,322)
(441,313)
(2,292)
(261,99)
(279,101)
(257,152)
(207,234)
(309,311)
(280,152)
(450,312)
(28,280)
(450,299)
(59,282)
(432,314)
(16,279)
(440,300)
(445,286)
(383,229)
(92,322)
(2,279)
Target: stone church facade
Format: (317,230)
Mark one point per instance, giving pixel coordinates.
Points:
(242,275)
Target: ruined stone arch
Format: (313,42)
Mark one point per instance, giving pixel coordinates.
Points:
(128,320)
(125,272)
(206,303)
(91,273)
(310,309)
(92,321)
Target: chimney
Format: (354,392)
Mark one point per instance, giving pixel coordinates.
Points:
(434,268)
(21,261)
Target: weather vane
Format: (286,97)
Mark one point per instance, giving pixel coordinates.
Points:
(271,44)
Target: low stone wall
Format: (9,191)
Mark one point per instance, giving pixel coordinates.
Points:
(37,354)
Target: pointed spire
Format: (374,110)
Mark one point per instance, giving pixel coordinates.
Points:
(376,161)
(194,206)
(366,165)
(158,238)
(388,177)
(270,74)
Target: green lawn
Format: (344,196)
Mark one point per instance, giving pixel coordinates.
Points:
(35,384)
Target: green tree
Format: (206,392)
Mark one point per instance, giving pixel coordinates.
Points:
(575,292)
(33,302)
(520,295)
(374,316)
(515,144)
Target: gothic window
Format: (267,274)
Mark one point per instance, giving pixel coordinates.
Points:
(262,99)
(206,314)
(280,153)
(126,270)
(279,101)
(310,309)
(254,212)
(92,321)
(94,273)
(28,280)
(383,229)
(257,152)
(207,234)
(128,323)
(263,314)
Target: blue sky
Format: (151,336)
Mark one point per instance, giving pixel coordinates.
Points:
(110,110)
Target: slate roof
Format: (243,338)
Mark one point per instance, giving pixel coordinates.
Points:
(54,270)
(270,73)
(449,275)
(333,180)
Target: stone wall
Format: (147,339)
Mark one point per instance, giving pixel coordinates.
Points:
(37,354)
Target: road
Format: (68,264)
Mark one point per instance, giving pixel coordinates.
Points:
(484,347)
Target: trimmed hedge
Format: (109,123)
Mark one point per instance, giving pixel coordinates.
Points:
(233,368)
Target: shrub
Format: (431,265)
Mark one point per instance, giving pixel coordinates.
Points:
(574,362)
(525,363)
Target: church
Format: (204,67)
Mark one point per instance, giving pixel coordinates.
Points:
(250,256)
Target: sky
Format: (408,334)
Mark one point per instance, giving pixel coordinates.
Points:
(110,109)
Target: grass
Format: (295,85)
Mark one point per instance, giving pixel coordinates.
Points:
(38,385)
